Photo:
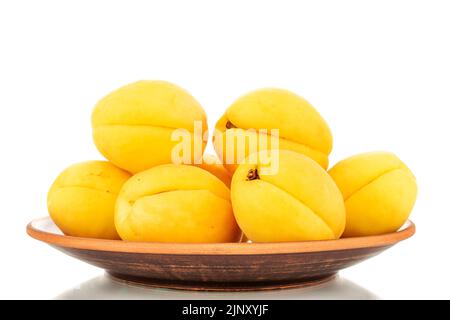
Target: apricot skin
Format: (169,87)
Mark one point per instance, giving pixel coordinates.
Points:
(379,192)
(301,128)
(81,201)
(212,164)
(133,126)
(175,203)
(298,203)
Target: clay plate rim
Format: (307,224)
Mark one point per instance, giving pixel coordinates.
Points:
(60,240)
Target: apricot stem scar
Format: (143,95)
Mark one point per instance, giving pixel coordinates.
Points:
(252,174)
(229,125)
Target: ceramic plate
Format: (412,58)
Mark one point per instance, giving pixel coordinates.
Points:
(219,266)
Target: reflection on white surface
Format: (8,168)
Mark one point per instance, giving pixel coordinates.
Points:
(104,288)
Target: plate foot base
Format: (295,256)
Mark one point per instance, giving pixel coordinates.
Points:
(218,286)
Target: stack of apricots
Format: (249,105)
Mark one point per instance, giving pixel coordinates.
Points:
(268,183)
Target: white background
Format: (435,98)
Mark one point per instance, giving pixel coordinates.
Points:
(378,71)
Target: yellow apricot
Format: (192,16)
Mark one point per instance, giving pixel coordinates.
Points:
(379,192)
(213,165)
(81,200)
(175,203)
(133,126)
(301,128)
(297,202)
